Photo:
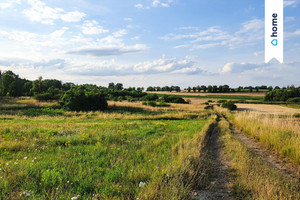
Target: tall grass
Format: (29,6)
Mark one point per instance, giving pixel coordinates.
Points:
(254,178)
(281,134)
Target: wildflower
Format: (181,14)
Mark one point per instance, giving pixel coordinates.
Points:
(32,160)
(15,163)
(68,181)
(7,164)
(25,193)
(25,158)
(142,184)
(75,198)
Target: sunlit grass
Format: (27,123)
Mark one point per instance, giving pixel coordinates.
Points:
(254,178)
(128,152)
(280,133)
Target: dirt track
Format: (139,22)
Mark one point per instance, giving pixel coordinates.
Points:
(221,181)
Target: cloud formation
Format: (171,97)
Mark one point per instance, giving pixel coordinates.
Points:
(250,32)
(154,4)
(109,50)
(40,12)
(91,27)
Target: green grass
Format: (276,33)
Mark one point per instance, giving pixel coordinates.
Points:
(291,106)
(119,154)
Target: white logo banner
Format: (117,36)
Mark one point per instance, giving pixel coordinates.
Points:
(274,30)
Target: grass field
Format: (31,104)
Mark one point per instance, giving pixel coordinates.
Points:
(127,152)
(131,151)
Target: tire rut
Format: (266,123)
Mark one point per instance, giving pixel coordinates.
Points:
(220,181)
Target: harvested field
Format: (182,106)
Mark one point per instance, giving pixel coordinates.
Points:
(267,109)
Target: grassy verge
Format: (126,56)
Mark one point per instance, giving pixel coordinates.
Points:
(255,179)
(119,154)
(277,133)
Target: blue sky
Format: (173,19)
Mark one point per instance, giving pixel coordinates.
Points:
(146,42)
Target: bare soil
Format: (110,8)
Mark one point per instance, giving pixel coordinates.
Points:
(220,186)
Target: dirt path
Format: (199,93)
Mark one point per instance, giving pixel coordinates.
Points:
(220,181)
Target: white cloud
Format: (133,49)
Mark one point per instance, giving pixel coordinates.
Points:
(92,27)
(40,12)
(139,6)
(8,3)
(251,32)
(292,34)
(289,19)
(128,19)
(155,4)
(240,67)
(100,51)
(75,16)
(290,3)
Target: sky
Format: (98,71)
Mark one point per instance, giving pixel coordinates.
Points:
(146,42)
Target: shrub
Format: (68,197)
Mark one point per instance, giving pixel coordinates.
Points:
(222,101)
(173,99)
(84,98)
(294,100)
(229,105)
(46,97)
(150,97)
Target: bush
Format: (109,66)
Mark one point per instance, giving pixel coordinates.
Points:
(150,97)
(294,100)
(229,105)
(222,101)
(84,98)
(173,99)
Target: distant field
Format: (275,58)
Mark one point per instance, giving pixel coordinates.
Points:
(268,109)
(128,152)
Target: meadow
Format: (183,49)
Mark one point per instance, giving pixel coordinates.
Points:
(128,152)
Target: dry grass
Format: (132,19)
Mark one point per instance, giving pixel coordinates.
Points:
(267,109)
(279,133)
(255,179)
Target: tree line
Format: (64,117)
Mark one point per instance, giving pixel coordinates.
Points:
(74,97)
(212,88)
(290,94)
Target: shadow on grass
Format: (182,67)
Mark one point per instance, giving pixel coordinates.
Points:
(31,111)
(131,110)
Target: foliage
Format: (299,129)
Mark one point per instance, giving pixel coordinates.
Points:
(173,99)
(229,105)
(282,94)
(150,97)
(294,100)
(84,98)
